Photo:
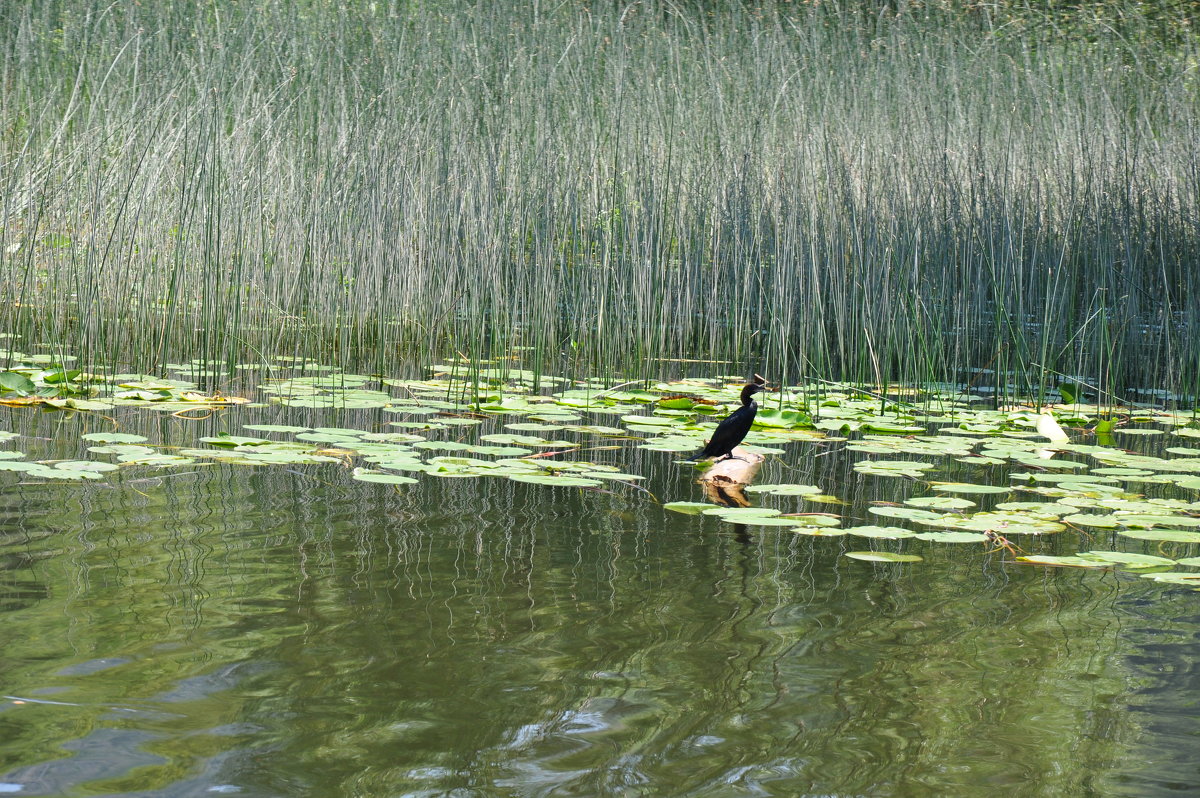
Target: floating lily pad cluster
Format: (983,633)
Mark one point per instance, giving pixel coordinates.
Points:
(1026,477)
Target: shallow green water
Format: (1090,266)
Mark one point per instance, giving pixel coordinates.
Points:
(274,631)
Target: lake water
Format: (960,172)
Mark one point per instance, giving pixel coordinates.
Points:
(289,631)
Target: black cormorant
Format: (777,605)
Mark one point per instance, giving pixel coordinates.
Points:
(732,430)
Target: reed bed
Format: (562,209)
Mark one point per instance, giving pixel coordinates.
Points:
(910,193)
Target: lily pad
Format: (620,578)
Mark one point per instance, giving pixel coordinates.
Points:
(113,437)
(367,475)
(1069,562)
(688,508)
(784,489)
(1167,535)
(555,479)
(1128,558)
(940,502)
(883,556)
(953,537)
(965,487)
(883,532)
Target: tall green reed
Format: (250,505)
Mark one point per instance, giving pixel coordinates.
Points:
(829,191)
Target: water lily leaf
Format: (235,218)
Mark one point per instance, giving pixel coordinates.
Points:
(232,440)
(367,475)
(814,519)
(1092,520)
(86,465)
(1190,578)
(883,532)
(326,437)
(392,437)
(965,487)
(671,444)
(742,512)
(911,513)
(784,489)
(1128,558)
(761,520)
(596,429)
(113,437)
(1168,535)
(556,479)
(653,421)
(883,556)
(1069,562)
(895,428)
(940,502)
(892,468)
(45,472)
(526,440)
(16,382)
(1147,520)
(283,458)
(1050,510)
(121,449)
(688,508)
(158,460)
(1007,523)
(953,537)
(1190,561)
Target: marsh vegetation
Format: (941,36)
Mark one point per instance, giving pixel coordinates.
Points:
(352,353)
(841,190)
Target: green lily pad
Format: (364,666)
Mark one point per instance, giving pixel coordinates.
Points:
(113,437)
(883,556)
(1128,558)
(1006,523)
(688,508)
(760,520)
(232,440)
(1167,535)
(953,537)
(1092,520)
(883,532)
(742,512)
(892,468)
(814,519)
(367,475)
(784,489)
(911,513)
(86,465)
(564,481)
(1070,562)
(1190,578)
(1148,520)
(940,502)
(965,487)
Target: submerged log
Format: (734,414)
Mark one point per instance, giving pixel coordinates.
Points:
(725,481)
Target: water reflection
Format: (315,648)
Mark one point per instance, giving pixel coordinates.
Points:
(290,632)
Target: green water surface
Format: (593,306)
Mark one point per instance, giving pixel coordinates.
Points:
(294,632)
